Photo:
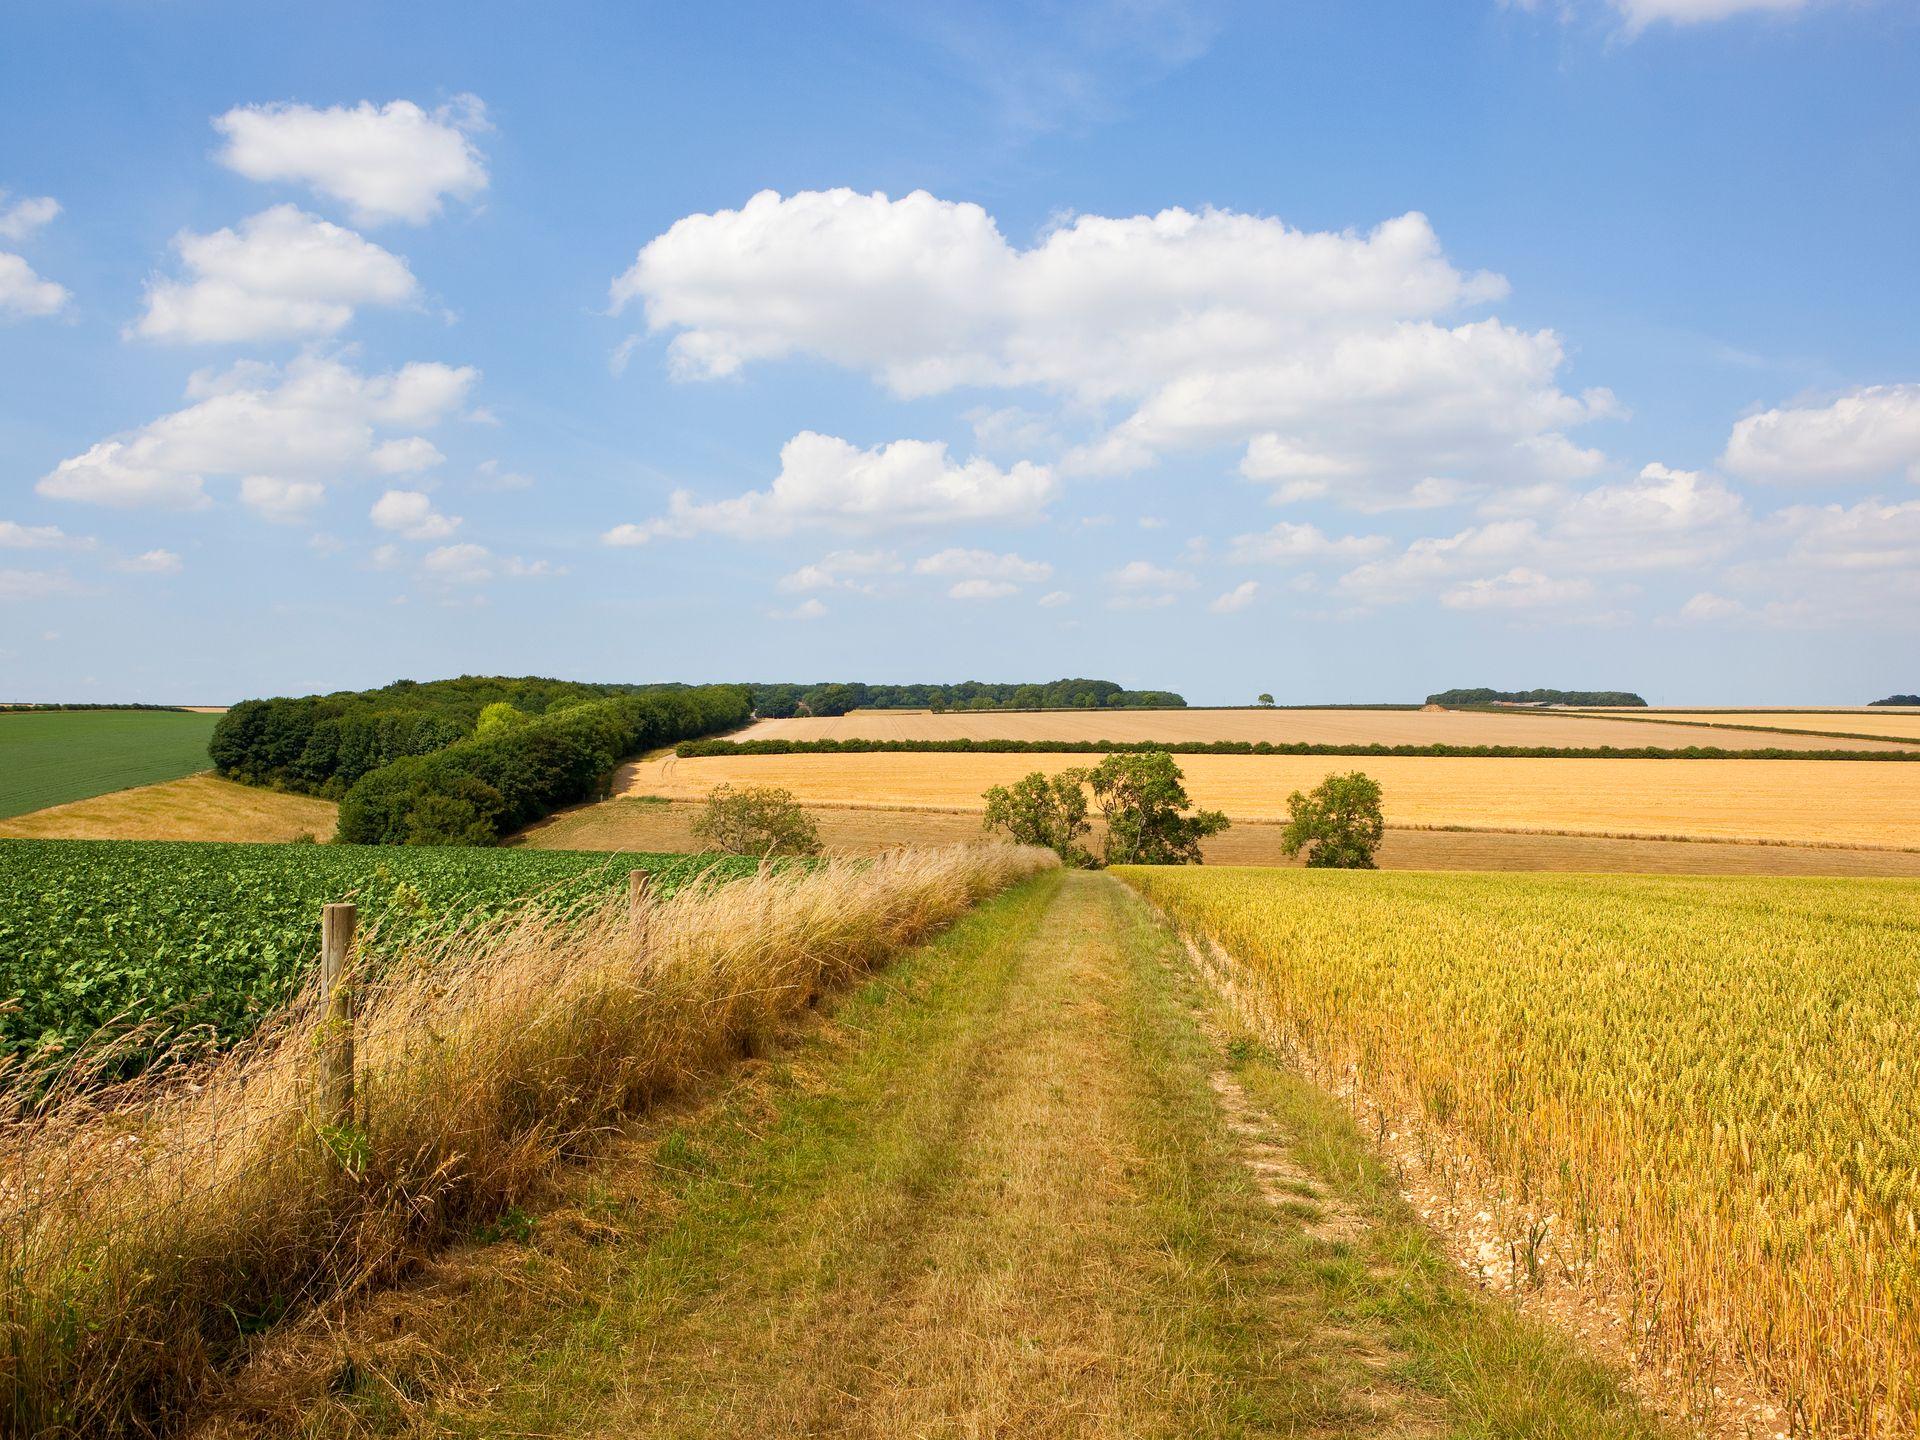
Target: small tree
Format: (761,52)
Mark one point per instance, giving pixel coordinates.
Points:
(1041,810)
(1266,699)
(1142,799)
(1339,824)
(756,820)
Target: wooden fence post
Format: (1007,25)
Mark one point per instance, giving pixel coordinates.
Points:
(336,1045)
(639,897)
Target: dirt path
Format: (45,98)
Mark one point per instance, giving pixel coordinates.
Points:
(1028,1184)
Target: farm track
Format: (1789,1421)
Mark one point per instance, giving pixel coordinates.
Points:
(1026,1184)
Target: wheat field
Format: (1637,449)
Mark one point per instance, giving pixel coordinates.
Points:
(1861,803)
(1705,1087)
(1313,727)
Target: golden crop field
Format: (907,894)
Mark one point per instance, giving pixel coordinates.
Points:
(198,807)
(1716,1078)
(1314,727)
(1834,802)
(1890,723)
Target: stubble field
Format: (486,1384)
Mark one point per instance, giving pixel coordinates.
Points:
(1853,803)
(1313,727)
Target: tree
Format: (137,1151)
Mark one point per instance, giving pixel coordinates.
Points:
(1143,801)
(500,717)
(1339,824)
(1265,699)
(1041,810)
(756,820)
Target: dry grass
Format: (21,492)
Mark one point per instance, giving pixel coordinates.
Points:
(666,827)
(1856,803)
(144,1230)
(1316,727)
(200,807)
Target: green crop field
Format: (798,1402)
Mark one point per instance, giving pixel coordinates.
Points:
(213,935)
(51,757)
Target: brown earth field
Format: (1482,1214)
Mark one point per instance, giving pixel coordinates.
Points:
(666,826)
(1315,727)
(1859,804)
(199,807)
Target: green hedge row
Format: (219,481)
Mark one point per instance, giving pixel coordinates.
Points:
(696,749)
(474,791)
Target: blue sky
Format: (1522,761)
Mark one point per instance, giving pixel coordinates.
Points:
(1339,349)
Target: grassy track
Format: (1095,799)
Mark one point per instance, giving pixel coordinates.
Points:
(48,758)
(995,1194)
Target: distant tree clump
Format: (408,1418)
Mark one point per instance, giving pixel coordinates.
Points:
(1536,697)
(1264,699)
(1897,700)
(1339,824)
(778,701)
(756,820)
(1038,809)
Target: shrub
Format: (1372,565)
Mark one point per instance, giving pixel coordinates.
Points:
(1041,810)
(1339,824)
(756,820)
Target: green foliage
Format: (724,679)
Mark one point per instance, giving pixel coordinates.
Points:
(1484,696)
(323,744)
(94,932)
(1339,825)
(1897,700)
(756,820)
(776,702)
(500,717)
(473,791)
(49,757)
(1143,802)
(1041,810)
(1265,700)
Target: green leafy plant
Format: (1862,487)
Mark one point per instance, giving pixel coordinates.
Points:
(1038,809)
(756,820)
(1144,804)
(1339,824)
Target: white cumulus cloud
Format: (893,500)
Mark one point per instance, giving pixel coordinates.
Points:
(1518,589)
(272,498)
(410,513)
(983,565)
(1289,543)
(15,536)
(384,162)
(22,217)
(24,294)
(825,481)
(1867,434)
(1236,599)
(1329,355)
(282,273)
(314,419)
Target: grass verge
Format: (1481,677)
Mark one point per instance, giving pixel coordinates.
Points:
(145,1232)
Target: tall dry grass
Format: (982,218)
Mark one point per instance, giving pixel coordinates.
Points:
(145,1230)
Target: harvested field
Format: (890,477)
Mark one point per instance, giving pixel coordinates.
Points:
(1312,727)
(1857,804)
(645,825)
(1881,720)
(199,807)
